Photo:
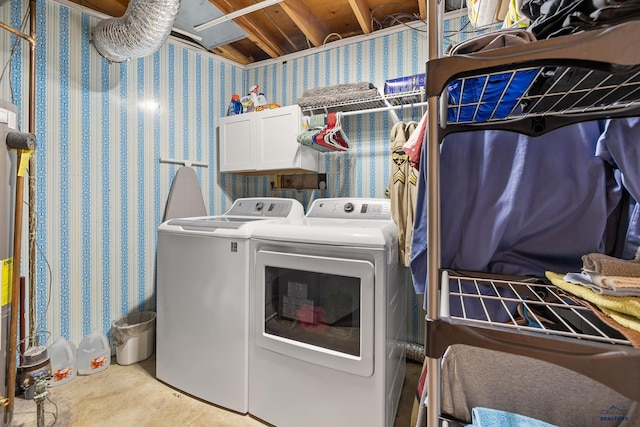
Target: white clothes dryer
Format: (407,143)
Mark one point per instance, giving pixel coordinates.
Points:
(328,317)
(203,299)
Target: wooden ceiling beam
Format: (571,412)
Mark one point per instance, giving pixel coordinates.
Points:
(422,6)
(363,14)
(253,30)
(110,7)
(230,52)
(300,14)
(286,27)
(258,36)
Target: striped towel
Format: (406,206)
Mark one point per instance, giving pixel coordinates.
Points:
(623,307)
(608,285)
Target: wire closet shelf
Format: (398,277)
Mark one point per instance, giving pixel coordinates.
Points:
(541,308)
(376,103)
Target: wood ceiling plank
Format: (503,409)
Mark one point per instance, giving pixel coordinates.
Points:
(292,25)
(250,50)
(286,27)
(422,6)
(305,20)
(363,14)
(258,32)
(225,6)
(229,52)
(259,36)
(113,8)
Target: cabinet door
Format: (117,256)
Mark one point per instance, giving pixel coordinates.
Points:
(277,131)
(237,143)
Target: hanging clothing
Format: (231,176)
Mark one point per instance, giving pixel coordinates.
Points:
(482,13)
(402,188)
(618,146)
(517,205)
(413,146)
(552,18)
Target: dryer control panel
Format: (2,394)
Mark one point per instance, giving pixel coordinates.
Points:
(265,207)
(351,208)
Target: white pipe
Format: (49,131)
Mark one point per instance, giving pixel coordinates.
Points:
(236,14)
(188,34)
(141,31)
(388,108)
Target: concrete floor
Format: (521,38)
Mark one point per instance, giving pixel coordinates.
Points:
(131,396)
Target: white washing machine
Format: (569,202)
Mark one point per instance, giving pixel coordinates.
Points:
(203,298)
(328,315)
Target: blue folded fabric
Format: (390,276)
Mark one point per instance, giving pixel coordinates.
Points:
(483,98)
(485,417)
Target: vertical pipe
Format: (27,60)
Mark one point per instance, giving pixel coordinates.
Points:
(22,318)
(17,232)
(15,292)
(32,178)
(41,394)
(433,177)
(432,144)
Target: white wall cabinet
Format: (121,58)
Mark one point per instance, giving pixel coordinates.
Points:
(264,141)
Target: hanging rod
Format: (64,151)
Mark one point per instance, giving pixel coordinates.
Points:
(391,107)
(183,162)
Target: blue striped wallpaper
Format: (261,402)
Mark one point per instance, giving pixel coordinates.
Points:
(101,128)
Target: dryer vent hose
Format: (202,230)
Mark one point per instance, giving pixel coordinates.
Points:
(141,31)
(415,351)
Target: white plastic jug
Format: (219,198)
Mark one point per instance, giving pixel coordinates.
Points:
(94,353)
(248,103)
(63,357)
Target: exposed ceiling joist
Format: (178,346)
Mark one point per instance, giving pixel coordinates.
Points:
(422,5)
(363,14)
(271,29)
(236,14)
(233,54)
(254,30)
(258,36)
(113,8)
(304,19)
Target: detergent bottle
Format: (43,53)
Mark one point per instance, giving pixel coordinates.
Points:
(258,99)
(235,106)
(251,101)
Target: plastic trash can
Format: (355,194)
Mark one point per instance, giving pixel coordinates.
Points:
(134,336)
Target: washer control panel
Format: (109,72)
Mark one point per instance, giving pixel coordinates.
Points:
(242,212)
(351,208)
(264,207)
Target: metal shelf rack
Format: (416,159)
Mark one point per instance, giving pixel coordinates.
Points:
(570,61)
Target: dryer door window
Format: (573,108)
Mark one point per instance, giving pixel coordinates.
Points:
(318,309)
